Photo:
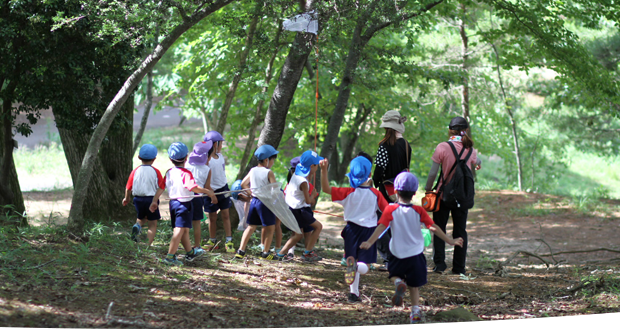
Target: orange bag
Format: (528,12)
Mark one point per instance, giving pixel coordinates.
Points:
(430,202)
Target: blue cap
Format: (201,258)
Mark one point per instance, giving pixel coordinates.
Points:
(148,152)
(235,186)
(200,154)
(177,151)
(307,159)
(359,171)
(214,136)
(406,181)
(265,151)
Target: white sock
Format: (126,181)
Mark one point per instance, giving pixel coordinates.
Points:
(415,308)
(362,268)
(291,250)
(355,287)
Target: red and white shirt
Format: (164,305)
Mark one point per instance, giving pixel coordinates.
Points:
(360,204)
(180,182)
(144,181)
(405,220)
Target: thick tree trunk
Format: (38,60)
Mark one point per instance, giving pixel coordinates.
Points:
(221,124)
(350,142)
(147,111)
(249,146)
(81,184)
(275,119)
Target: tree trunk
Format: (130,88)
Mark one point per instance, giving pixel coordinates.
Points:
(275,119)
(465,93)
(352,137)
(10,191)
(147,111)
(513,123)
(249,146)
(221,124)
(81,183)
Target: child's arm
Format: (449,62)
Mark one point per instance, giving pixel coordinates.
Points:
(206,191)
(127,196)
(271,177)
(367,244)
(324,165)
(153,205)
(437,231)
(304,187)
(245,183)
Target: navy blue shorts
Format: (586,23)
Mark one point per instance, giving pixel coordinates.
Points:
(354,235)
(181,214)
(305,218)
(412,270)
(197,215)
(223,203)
(260,215)
(142,204)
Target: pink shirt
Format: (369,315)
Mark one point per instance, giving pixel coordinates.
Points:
(443,155)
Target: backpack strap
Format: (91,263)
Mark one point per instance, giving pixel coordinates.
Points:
(456,161)
(458,157)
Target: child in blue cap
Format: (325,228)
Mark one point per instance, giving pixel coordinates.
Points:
(299,200)
(407,268)
(143,183)
(361,203)
(219,183)
(259,214)
(181,185)
(197,163)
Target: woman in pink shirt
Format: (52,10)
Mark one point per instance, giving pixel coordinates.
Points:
(444,157)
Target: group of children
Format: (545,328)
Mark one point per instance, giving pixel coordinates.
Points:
(366,212)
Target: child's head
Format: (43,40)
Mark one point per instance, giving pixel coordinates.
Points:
(365,155)
(406,185)
(266,155)
(291,169)
(216,138)
(147,154)
(177,152)
(200,154)
(359,171)
(308,163)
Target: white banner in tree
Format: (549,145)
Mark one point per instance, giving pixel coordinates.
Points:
(306,22)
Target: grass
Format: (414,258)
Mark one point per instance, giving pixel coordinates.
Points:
(42,168)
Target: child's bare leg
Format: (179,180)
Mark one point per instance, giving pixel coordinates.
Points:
(177,234)
(400,290)
(291,242)
(247,233)
(187,244)
(314,236)
(226,221)
(268,237)
(152,231)
(278,234)
(142,222)
(213,225)
(415,296)
(197,233)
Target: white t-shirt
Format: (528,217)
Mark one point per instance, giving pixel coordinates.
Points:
(180,182)
(360,204)
(218,172)
(405,220)
(200,173)
(144,181)
(293,195)
(259,176)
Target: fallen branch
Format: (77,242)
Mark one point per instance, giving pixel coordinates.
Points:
(584,251)
(550,251)
(501,271)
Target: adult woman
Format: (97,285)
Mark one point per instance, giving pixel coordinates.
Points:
(393,157)
(444,157)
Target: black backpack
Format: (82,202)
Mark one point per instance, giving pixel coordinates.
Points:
(461,187)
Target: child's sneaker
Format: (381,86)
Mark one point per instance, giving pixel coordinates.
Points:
(343,262)
(240,254)
(210,245)
(135,231)
(268,256)
(172,262)
(289,256)
(229,246)
(195,253)
(199,249)
(349,273)
(310,256)
(353,298)
(415,316)
(401,288)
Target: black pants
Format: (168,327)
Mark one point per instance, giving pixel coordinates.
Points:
(459,220)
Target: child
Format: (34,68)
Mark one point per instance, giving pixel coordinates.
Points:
(259,214)
(143,183)
(219,184)
(407,268)
(299,200)
(361,203)
(180,184)
(197,164)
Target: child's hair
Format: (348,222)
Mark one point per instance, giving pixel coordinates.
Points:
(211,151)
(465,138)
(268,159)
(145,160)
(390,137)
(365,155)
(177,162)
(273,157)
(406,195)
(290,173)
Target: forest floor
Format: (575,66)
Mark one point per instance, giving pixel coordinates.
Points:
(530,256)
